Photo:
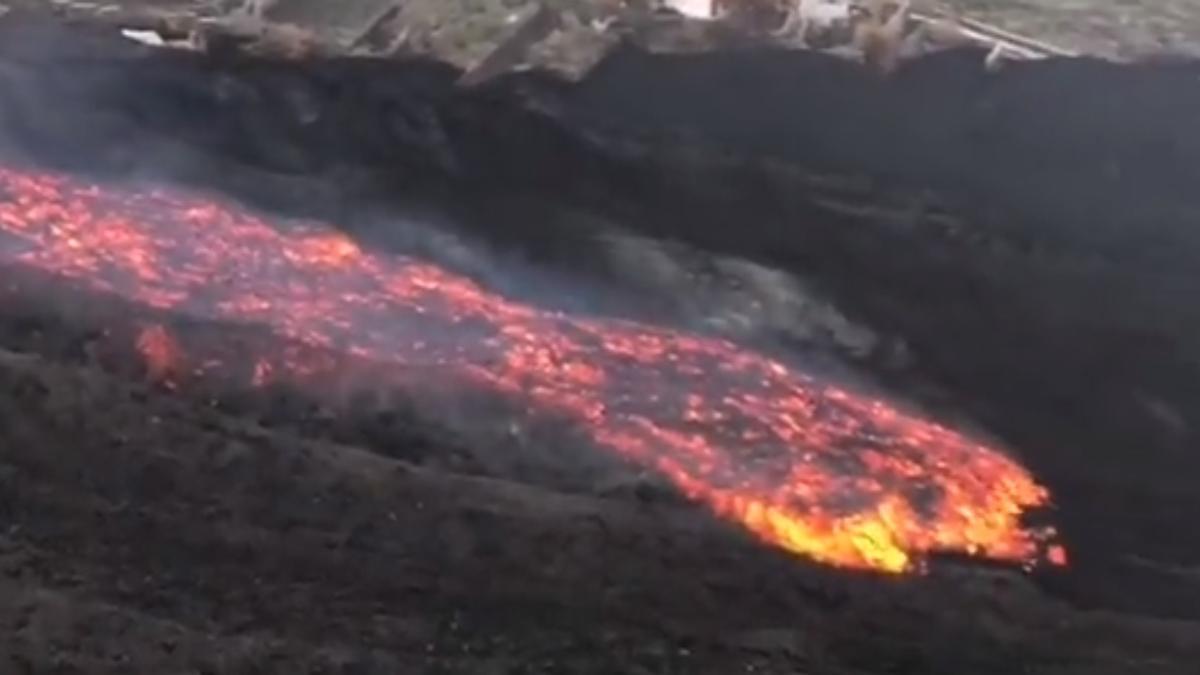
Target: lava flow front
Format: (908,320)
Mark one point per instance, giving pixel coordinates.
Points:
(802,464)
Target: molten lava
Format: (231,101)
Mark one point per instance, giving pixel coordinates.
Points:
(802,464)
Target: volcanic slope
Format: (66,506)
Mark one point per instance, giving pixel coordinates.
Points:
(157,527)
(152,531)
(147,531)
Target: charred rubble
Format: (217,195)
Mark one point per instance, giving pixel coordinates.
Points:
(1023,237)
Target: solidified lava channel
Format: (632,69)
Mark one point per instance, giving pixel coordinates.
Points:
(802,464)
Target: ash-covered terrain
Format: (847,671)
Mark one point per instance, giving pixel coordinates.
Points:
(213,464)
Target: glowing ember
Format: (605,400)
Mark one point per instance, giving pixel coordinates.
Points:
(1057,555)
(804,465)
(162,354)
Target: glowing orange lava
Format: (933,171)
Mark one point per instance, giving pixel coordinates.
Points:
(806,465)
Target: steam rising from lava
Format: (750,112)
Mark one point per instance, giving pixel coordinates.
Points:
(802,464)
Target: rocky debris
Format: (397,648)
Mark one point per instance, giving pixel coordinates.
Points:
(464,32)
(1124,31)
(528,28)
(486,38)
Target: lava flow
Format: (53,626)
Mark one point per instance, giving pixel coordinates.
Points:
(802,464)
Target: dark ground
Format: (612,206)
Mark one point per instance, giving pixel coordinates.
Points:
(1028,238)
